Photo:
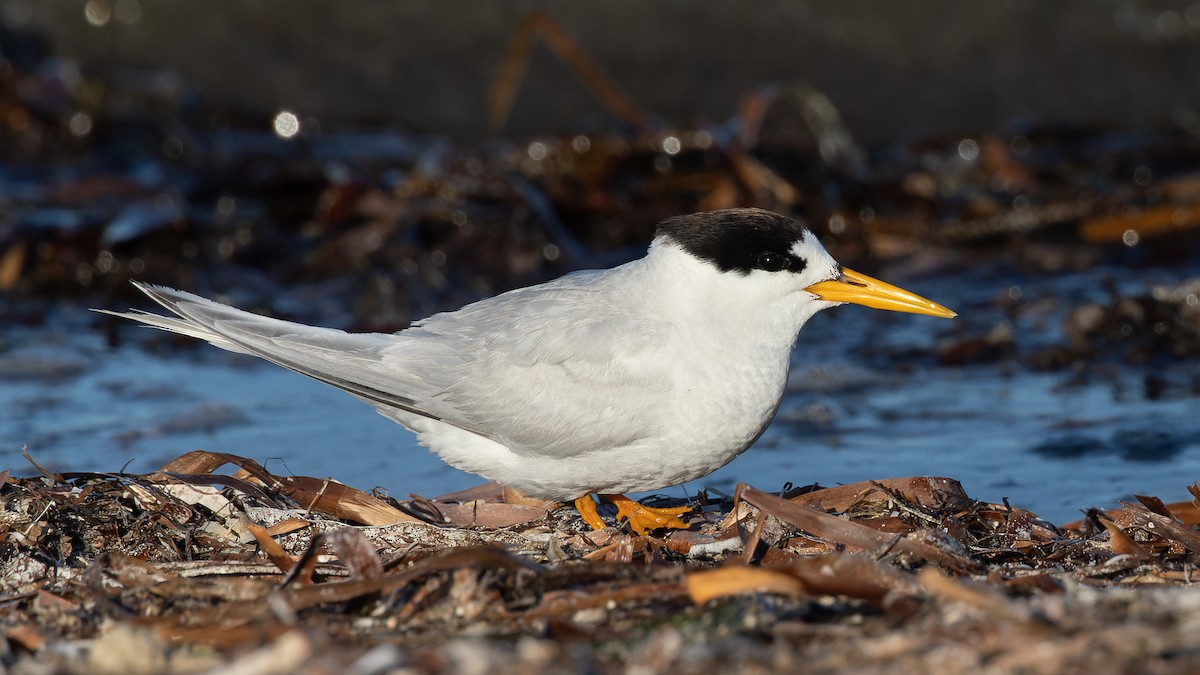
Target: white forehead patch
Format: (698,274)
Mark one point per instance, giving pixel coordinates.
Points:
(801,248)
(810,249)
(804,247)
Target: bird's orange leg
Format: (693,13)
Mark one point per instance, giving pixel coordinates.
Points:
(586,507)
(641,519)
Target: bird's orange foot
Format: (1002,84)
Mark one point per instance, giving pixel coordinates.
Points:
(641,519)
(586,506)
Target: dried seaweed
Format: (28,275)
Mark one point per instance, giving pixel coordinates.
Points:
(102,561)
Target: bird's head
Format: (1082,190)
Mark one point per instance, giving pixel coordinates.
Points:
(778,256)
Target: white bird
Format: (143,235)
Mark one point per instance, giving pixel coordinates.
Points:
(628,379)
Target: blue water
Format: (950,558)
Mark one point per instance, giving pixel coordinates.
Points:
(88,407)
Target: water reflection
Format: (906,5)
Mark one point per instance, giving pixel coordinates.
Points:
(100,13)
(1071,446)
(286,124)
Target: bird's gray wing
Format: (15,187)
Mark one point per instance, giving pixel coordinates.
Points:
(553,370)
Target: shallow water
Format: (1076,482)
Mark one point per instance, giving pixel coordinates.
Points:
(1042,441)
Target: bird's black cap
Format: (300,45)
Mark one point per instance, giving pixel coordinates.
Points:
(739,240)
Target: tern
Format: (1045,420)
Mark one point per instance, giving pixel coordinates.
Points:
(602,382)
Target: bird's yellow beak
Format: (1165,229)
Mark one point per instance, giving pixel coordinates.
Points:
(861,289)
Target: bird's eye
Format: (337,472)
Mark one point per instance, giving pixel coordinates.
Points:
(771,261)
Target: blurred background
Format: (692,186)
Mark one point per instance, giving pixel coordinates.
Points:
(899,73)
(1034,166)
